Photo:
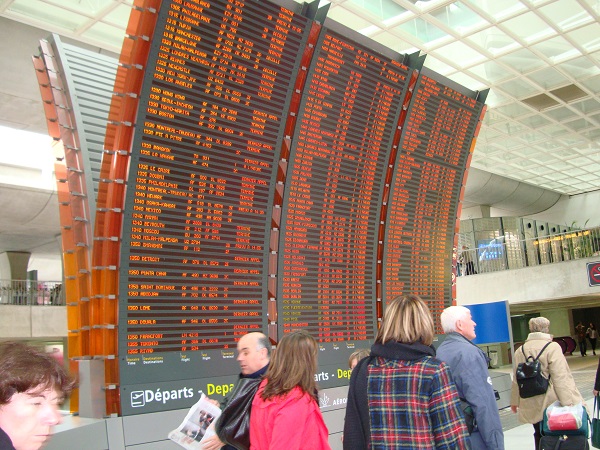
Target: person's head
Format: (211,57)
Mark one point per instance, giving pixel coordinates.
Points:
(458,319)
(32,386)
(294,363)
(407,319)
(539,325)
(356,356)
(254,352)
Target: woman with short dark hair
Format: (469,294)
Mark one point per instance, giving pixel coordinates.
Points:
(32,386)
(401,397)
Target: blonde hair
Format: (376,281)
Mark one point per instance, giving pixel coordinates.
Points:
(407,319)
(358,355)
(294,363)
(539,324)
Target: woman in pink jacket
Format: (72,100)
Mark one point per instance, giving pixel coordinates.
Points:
(285,412)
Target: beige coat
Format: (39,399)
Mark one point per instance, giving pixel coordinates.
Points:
(562,385)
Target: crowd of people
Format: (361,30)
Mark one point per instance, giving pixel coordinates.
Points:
(403,393)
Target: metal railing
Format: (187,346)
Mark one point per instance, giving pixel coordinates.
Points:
(27,292)
(500,254)
(505,253)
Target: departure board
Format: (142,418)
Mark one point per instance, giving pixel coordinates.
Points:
(282,177)
(349,111)
(198,212)
(436,140)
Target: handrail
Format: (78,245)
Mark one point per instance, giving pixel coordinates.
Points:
(509,252)
(31,292)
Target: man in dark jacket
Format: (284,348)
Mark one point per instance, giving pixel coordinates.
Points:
(580,329)
(254,353)
(469,367)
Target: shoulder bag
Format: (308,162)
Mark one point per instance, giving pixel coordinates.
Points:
(233,425)
(529,376)
(468,415)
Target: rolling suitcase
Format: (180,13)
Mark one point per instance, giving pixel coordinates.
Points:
(564,442)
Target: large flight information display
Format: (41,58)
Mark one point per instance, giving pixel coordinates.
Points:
(196,229)
(349,111)
(438,135)
(208,254)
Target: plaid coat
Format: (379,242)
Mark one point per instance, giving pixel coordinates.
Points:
(403,398)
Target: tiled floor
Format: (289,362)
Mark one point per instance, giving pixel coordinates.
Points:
(518,436)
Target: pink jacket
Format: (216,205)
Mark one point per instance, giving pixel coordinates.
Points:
(291,422)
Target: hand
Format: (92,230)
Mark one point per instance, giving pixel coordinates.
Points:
(595,392)
(214,402)
(514,408)
(212,443)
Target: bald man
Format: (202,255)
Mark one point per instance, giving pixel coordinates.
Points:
(254,354)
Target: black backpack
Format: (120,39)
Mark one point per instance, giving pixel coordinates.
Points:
(530,380)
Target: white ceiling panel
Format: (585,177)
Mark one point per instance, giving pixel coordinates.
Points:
(540,60)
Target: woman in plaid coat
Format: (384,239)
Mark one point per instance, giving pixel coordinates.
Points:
(401,397)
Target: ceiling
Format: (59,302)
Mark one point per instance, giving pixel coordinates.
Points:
(539,58)
(587,301)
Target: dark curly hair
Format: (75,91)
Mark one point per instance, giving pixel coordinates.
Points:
(24,368)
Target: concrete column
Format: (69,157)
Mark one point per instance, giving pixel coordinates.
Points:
(13,265)
(485,211)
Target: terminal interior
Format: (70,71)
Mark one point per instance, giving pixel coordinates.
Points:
(532,189)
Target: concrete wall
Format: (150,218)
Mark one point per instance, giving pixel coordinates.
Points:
(539,283)
(49,267)
(560,322)
(13,265)
(24,322)
(577,208)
